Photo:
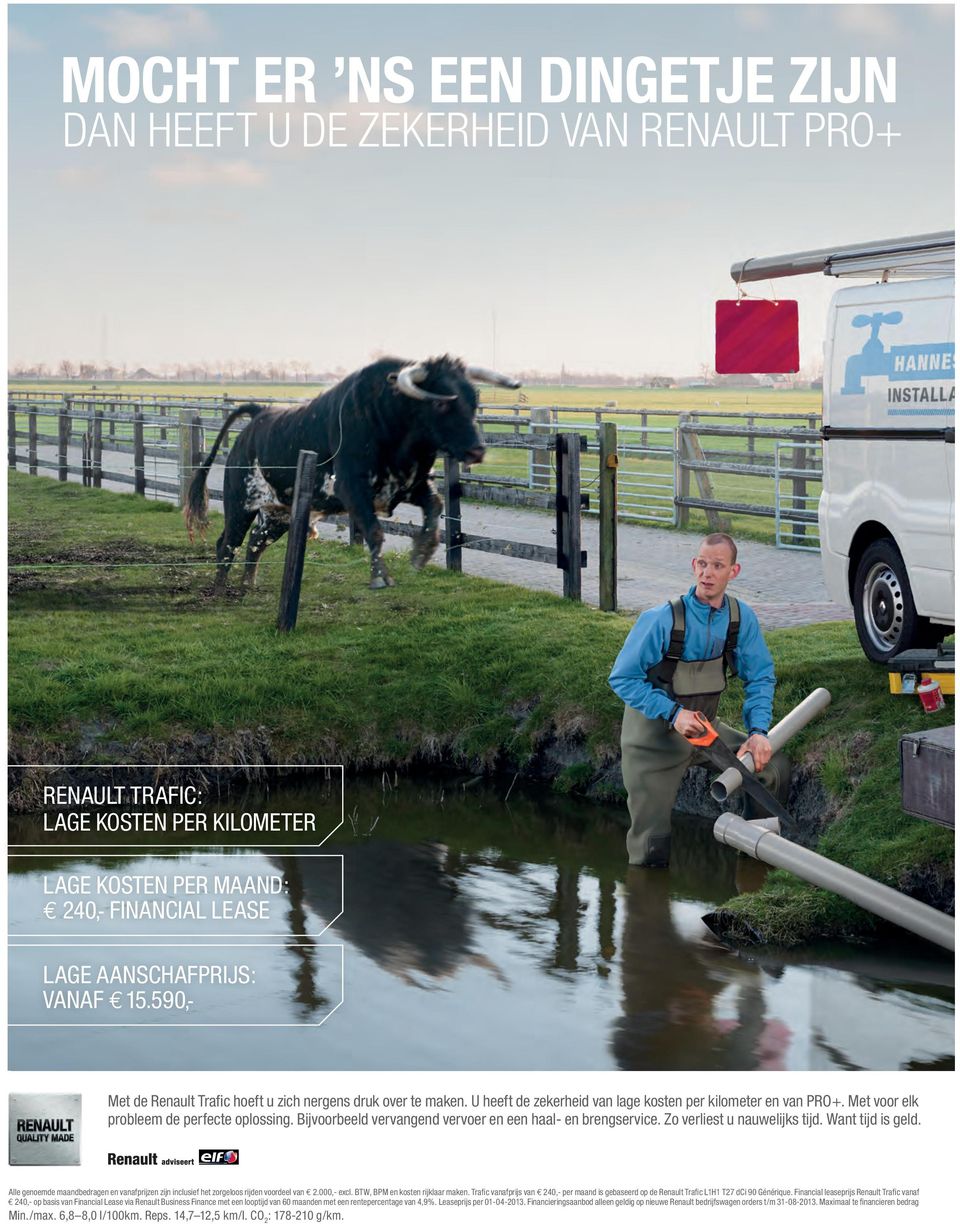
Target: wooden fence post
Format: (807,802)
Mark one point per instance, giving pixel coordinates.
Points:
(453,525)
(539,459)
(32,438)
(608,517)
(643,429)
(88,436)
(690,448)
(85,459)
(139,458)
(96,458)
(63,436)
(568,513)
(11,434)
(297,540)
(683,474)
(191,449)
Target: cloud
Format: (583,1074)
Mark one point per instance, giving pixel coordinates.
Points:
(191,217)
(17,40)
(876,20)
(753,17)
(198,173)
(81,177)
(147,29)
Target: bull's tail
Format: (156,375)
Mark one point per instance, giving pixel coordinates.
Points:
(195,510)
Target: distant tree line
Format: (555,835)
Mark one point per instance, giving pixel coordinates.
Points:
(235,371)
(201,371)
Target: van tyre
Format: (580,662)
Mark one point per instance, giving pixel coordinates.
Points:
(883,607)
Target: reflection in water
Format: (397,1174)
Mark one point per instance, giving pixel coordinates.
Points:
(671,985)
(405,912)
(306,994)
(487,934)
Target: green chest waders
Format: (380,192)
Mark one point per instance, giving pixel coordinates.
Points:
(654,757)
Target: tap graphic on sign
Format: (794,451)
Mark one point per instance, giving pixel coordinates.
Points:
(873,358)
(899,363)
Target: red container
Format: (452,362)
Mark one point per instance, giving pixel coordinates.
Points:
(931,696)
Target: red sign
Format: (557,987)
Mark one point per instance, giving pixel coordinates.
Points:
(757,337)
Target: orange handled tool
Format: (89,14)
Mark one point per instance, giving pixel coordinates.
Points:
(713,747)
(709,732)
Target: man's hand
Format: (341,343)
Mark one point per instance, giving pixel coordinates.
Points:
(688,724)
(759,748)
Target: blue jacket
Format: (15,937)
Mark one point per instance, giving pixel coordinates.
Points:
(706,632)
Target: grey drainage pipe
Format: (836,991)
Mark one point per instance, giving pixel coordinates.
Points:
(730,780)
(768,847)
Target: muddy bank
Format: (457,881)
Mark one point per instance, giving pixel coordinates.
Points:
(560,759)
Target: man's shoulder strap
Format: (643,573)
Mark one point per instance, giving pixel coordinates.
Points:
(678,631)
(733,633)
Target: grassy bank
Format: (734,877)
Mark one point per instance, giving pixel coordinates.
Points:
(118,653)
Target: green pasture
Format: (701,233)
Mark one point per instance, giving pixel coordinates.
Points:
(118,652)
(669,399)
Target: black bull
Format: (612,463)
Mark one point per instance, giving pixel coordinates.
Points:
(377,434)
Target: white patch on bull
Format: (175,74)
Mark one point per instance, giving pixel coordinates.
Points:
(329,482)
(391,487)
(261,495)
(385,494)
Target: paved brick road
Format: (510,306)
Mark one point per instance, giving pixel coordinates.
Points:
(784,586)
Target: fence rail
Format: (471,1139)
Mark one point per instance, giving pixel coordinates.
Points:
(763,465)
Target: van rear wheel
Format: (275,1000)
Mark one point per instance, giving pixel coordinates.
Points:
(883,607)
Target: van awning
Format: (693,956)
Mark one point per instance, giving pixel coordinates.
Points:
(921,254)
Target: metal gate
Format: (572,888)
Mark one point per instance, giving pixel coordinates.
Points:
(797,479)
(647,474)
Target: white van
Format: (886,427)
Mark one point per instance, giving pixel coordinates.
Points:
(887,506)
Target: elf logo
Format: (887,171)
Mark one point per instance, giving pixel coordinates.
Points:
(229,1156)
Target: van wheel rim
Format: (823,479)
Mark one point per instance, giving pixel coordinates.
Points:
(883,607)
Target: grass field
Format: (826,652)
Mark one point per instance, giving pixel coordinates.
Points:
(672,400)
(118,652)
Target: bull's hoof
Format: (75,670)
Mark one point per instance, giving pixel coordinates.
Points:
(422,551)
(380,581)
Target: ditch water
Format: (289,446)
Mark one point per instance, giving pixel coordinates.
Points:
(476,933)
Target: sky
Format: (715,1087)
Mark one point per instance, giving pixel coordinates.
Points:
(597,258)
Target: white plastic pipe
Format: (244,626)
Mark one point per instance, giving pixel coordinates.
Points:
(885,902)
(731,779)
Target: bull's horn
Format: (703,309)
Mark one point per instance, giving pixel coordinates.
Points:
(479,374)
(407,380)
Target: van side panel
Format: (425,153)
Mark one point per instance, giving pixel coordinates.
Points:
(889,391)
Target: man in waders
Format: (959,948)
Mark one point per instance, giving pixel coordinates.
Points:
(674,662)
